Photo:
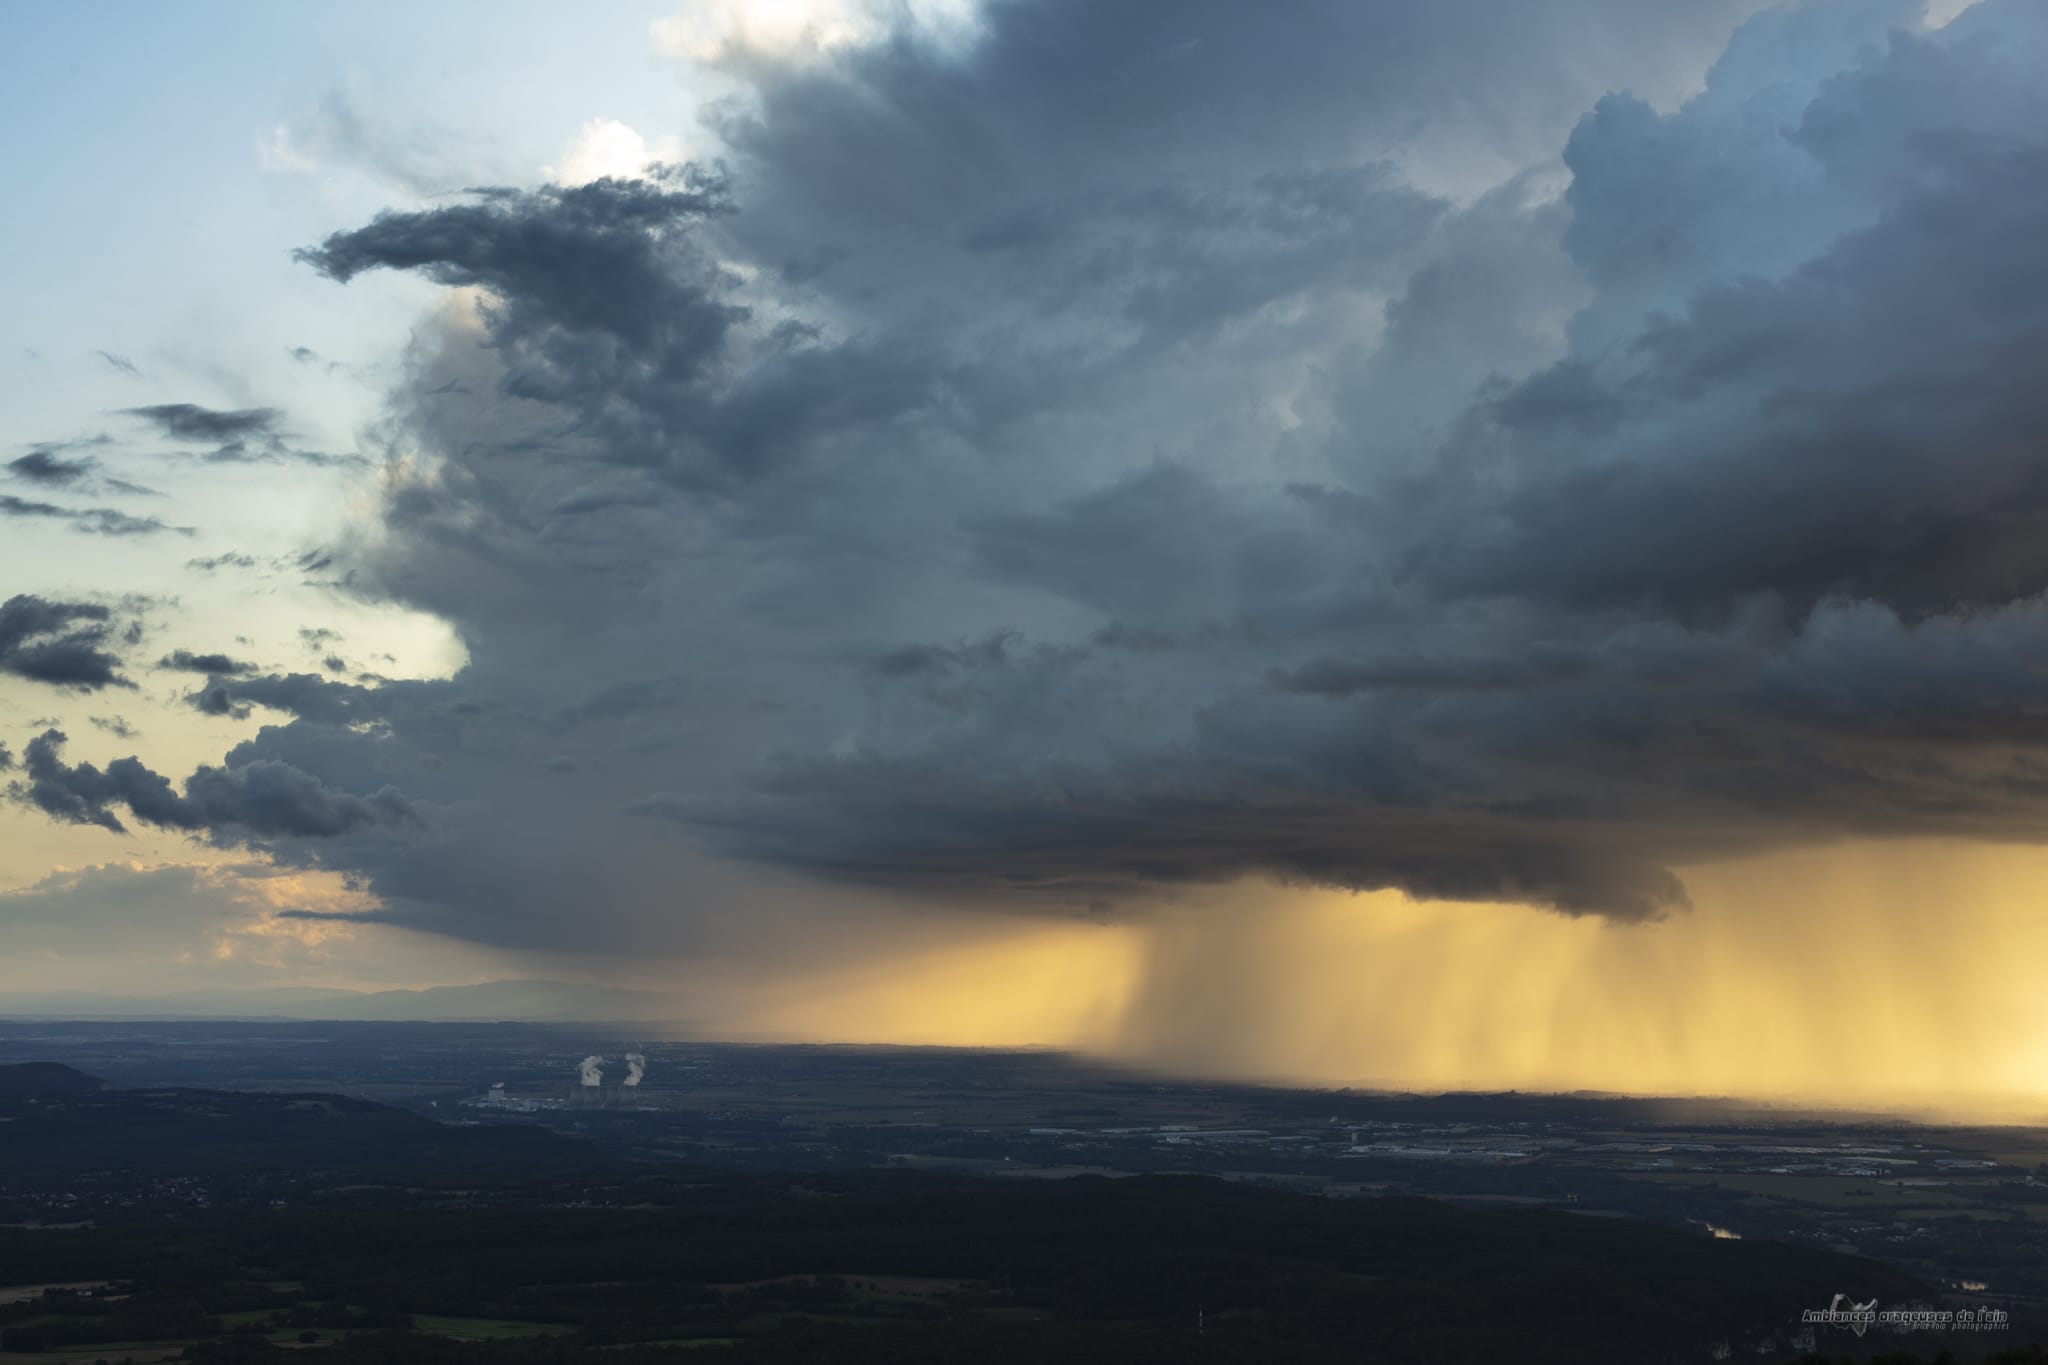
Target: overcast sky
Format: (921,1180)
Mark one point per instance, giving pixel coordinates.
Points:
(864,515)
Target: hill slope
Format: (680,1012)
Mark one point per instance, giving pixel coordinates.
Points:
(46,1078)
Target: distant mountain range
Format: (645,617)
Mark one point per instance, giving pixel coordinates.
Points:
(540,1001)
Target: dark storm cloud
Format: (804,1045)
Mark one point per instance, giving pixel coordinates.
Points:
(1117,635)
(1866,427)
(1121,834)
(1084,460)
(999,146)
(1164,546)
(601,304)
(64,643)
(1573,628)
(914,660)
(251,801)
(1519,667)
(586,256)
(1333,677)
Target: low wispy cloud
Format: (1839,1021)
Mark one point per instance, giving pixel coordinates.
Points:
(187,661)
(101,521)
(191,422)
(119,363)
(44,465)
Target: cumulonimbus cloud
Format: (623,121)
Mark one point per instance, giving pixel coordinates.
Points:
(1090,458)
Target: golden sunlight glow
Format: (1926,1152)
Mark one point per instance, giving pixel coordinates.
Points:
(1903,974)
(151,927)
(1058,985)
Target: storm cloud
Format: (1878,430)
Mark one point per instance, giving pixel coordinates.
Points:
(600,305)
(1151,445)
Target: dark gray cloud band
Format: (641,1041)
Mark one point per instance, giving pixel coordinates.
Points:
(187,661)
(232,804)
(191,422)
(46,466)
(63,643)
(100,521)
